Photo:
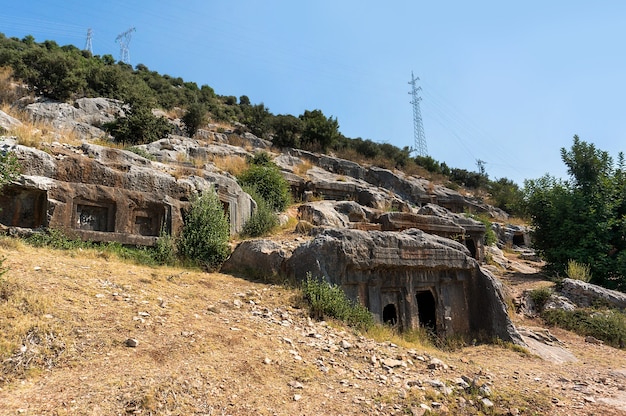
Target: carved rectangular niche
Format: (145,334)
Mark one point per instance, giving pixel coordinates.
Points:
(148,221)
(23,207)
(94,216)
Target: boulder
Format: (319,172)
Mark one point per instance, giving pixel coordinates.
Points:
(585,294)
(259,258)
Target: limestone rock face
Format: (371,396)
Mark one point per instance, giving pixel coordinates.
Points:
(585,294)
(80,118)
(408,278)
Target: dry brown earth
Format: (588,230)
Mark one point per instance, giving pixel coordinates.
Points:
(213,344)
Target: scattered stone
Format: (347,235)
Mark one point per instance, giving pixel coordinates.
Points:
(593,340)
(295,384)
(436,364)
(485,390)
(297,397)
(345,344)
(392,363)
(461,383)
(486,402)
(267,361)
(589,399)
(132,342)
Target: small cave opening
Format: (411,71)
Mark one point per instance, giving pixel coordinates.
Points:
(518,240)
(390,314)
(427,309)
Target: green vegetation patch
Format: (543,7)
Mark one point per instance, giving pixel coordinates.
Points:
(327,300)
(607,325)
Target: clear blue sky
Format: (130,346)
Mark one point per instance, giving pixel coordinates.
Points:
(509,83)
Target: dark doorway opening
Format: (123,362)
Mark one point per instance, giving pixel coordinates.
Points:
(518,240)
(390,315)
(471,246)
(426,309)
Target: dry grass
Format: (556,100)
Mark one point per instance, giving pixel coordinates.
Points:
(235,165)
(10,89)
(38,133)
(302,168)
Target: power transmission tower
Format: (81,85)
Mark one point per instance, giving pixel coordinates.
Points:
(418,127)
(88,46)
(124,39)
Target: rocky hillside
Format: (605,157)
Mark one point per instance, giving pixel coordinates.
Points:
(104,337)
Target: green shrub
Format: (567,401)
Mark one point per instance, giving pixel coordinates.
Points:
(9,168)
(141,152)
(56,239)
(204,239)
(269,183)
(490,235)
(329,300)
(138,126)
(540,297)
(606,325)
(263,220)
(578,271)
(194,118)
(164,251)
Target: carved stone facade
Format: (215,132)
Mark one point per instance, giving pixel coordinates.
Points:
(107,194)
(409,279)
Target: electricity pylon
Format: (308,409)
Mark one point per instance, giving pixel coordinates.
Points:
(418,126)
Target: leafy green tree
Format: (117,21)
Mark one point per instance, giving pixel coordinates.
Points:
(258,118)
(205,235)
(319,131)
(55,74)
(287,130)
(195,116)
(583,219)
(244,100)
(507,195)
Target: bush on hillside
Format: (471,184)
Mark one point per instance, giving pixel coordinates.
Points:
(263,220)
(205,235)
(269,183)
(194,118)
(138,126)
(606,325)
(326,300)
